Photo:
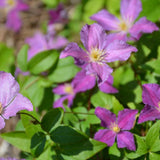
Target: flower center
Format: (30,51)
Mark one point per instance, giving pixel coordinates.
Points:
(68,89)
(10,4)
(97,55)
(123,26)
(114,127)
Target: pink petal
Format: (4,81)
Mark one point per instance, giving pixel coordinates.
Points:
(142,26)
(9,88)
(106,136)
(107,87)
(106,20)
(151,94)
(2,123)
(83,82)
(126,139)
(75,51)
(93,36)
(106,117)
(59,89)
(14,21)
(21,6)
(119,50)
(2,3)
(19,103)
(130,9)
(126,119)
(148,113)
(100,70)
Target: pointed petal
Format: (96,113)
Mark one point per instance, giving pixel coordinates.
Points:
(119,50)
(21,6)
(148,113)
(19,103)
(106,116)
(2,3)
(14,21)
(126,139)
(130,9)
(106,20)
(59,89)
(75,51)
(93,36)
(83,82)
(107,87)
(142,26)
(126,119)
(8,88)
(101,71)
(2,123)
(151,94)
(106,136)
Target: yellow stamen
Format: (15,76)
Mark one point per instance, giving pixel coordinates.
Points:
(68,89)
(123,26)
(114,127)
(10,2)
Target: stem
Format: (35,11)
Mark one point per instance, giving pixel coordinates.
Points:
(80,113)
(30,116)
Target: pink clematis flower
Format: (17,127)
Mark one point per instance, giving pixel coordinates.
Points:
(13,9)
(11,101)
(116,127)
(100,49)
(130,10)
(151,99)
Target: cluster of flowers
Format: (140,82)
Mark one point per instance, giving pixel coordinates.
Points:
(101,49)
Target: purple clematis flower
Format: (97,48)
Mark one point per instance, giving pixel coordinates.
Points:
(151,99)
(116,127)
(13,9)
(40,42)
(10,158)
(11,101)
(100,49)
(130,10)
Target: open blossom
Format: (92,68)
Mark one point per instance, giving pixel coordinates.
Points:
(130,10)
(13,9)
(151,99)
(100,49)
(11,101)
(116,127)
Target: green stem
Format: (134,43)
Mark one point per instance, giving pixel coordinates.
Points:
(80,113)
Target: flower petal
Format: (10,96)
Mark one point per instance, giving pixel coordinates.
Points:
(126,139)
(130,9)
(75,51)
(93,36)
(21,6)
(8,88)
(142,26)
(100,70)
(106,136)
(19,103)
(126,119)
(151,94)
(59,89)
(106,116)
(14,21)
(148,113)
(107,87)
(106,20)
(2,123)
(83,82)
(119,50)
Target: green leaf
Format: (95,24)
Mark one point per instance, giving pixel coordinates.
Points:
(22,58)
(52,119)
(113,150)
(141,148)
(43,61)
(152,137)
(37,143)
(65,70)
(75,144)
(6,57)
(19,139)
(154,156)
(51,3)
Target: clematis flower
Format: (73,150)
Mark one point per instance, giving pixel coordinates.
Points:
(13,9)
(100,49)
(130,10)
(116,127)
(10,158)
(11,101)
(151,99)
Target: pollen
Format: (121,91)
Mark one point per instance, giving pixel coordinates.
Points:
(97,55)
(123,26)
(11,2)
(68,89)
(114,127)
